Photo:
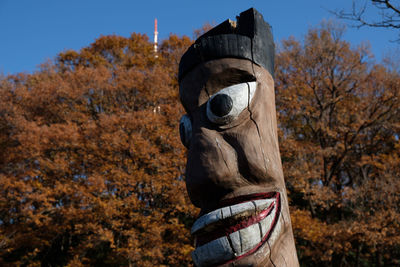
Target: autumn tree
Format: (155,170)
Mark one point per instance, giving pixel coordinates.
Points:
(90,164)
(339,117)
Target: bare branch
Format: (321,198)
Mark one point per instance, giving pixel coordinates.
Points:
(387,14)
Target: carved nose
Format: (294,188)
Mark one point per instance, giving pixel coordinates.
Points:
(221,105)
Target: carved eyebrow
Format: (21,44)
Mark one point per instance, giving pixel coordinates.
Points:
(241,79)
(212,84)
(228,77)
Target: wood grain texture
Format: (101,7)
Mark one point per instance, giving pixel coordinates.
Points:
(238,158)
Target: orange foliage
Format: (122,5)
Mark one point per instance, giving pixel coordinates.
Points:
(339,120)
(91,165)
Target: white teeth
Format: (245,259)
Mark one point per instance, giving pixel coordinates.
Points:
(250,237)
(236,243)
(266,224)
(241,241)
(204,220)
(213,252)
(276,232)
(262,204)
(225,212)
(243,207)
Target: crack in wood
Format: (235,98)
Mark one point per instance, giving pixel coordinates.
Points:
(270,254)
(258,130)
(222,154)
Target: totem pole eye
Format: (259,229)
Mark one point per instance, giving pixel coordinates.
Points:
(221,105)
(226,105)
(185,130)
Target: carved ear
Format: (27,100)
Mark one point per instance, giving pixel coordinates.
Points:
(185,130)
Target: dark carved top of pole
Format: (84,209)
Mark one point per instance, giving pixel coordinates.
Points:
(250,38)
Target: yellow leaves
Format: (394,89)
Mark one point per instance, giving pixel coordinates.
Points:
(97,182)
(75,262)
(314,231)
(187,250)
(107,236)
(338,116)
(90,173)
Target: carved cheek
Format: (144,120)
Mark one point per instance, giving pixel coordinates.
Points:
(211,167)
(210,152)
(257,161)
(251,157)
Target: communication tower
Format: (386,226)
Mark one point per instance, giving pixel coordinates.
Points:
(155,38)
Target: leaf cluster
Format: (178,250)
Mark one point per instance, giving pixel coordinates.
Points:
(90,163)
(339,117)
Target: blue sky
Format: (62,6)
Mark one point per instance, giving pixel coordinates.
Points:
(33,31)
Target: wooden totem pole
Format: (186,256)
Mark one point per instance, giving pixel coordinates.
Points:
(234,172)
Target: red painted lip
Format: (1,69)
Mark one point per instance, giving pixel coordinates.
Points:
(226,231)
(246,198)
(210,236)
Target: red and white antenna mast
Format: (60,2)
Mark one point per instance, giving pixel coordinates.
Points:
(155,38)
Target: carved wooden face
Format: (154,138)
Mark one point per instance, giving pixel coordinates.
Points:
(233,170)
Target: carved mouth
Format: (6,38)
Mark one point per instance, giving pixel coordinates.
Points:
(236,230)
